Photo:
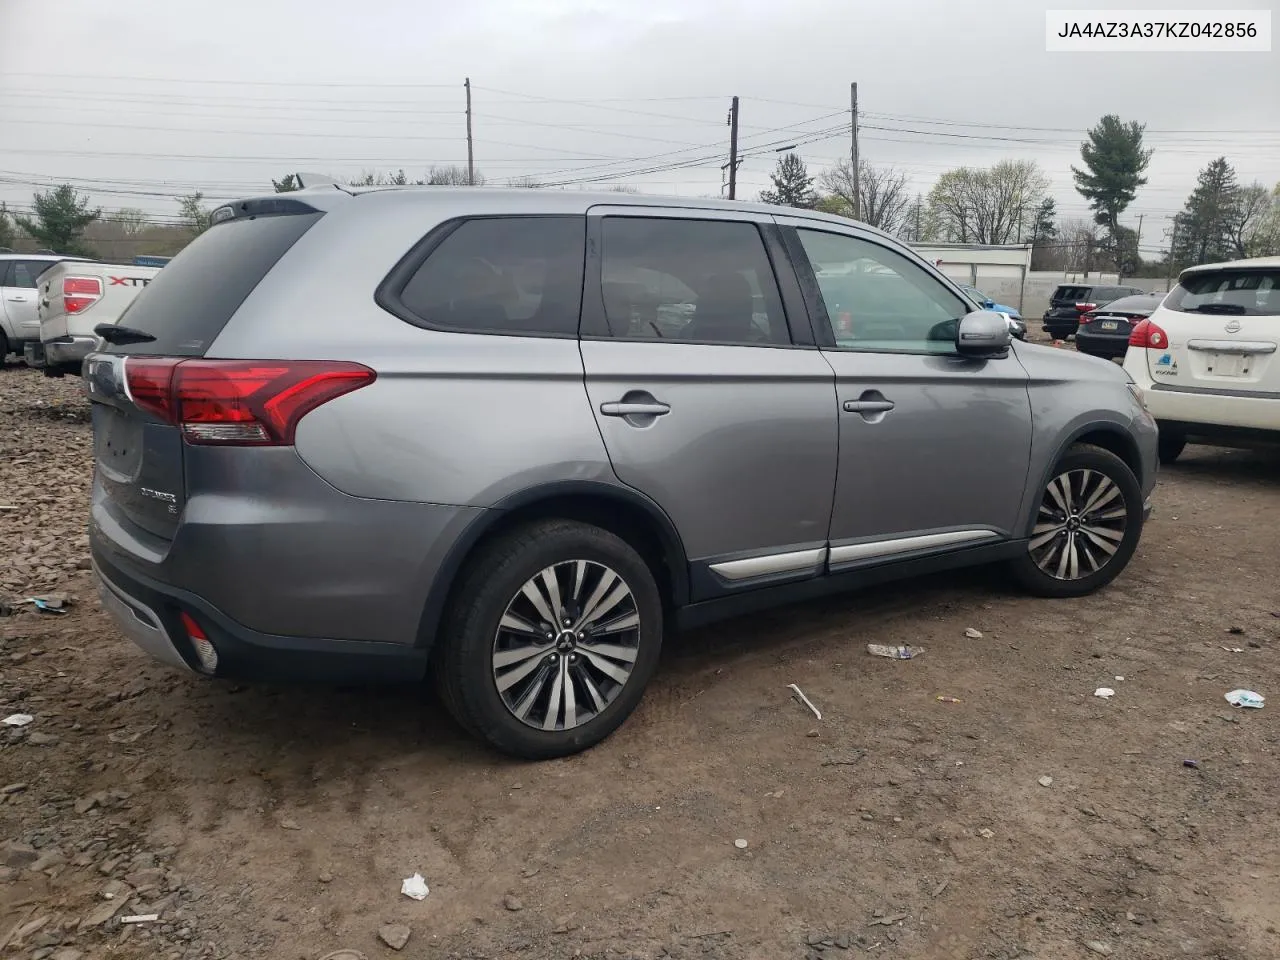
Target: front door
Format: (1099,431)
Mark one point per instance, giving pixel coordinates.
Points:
(934,447)
(704,402)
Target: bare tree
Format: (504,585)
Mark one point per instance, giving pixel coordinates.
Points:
(131,220)
(451,175)
(885,202)
(1253,204)
(988,205)
(526,182)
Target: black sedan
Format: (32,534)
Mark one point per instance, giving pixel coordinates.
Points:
(1105,332)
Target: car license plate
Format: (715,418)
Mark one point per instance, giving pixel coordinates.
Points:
(1109,325)
(1229,364)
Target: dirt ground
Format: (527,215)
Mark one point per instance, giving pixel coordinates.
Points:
(279,823)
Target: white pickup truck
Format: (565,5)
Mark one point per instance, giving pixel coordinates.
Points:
(73,299)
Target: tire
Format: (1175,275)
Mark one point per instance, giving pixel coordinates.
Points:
(491,605)
(1170,447)
(4,349)
(1089,471)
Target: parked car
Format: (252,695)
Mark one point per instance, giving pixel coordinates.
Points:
(1071,300)
(1017,326)
(1206,358)
(74,298)
(19,273)
(523,473)
(1105,332)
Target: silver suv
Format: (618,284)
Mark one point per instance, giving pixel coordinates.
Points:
(515,438)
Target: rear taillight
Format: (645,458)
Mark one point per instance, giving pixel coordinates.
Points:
(239,402)
(1148,335)
(80,293)
(1085,307)
(1088,318)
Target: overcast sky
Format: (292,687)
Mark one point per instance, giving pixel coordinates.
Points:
(139,102)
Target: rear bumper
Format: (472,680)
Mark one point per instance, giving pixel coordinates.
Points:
(68,351)
(1102,344)
(1213,410)
(149,614)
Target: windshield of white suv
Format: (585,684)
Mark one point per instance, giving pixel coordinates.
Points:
(1252,293)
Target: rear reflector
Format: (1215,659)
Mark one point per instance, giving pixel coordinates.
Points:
(205,651)
(1088,318)
(239,402)
(80,293)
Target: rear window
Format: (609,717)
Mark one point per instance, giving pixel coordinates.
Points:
(1074,294)
(1243,293)
(1137,304)
(189,302)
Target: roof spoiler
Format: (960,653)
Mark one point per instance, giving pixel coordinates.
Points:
(315,180)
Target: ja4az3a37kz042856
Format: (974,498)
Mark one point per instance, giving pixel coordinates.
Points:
(511,438)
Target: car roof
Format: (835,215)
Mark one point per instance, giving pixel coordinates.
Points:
(498,200)
(1256,263)
(56,257)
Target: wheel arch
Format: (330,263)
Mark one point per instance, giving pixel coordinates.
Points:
(1108,435)
(622,511)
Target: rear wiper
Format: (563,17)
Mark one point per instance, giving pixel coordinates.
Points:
(119,336)
(1233,308)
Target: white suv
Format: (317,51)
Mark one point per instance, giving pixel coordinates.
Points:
(1206,359)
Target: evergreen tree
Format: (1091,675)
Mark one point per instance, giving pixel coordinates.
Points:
(792,185)
(1114,163)
(287,184)
(1205,227)
(61,216)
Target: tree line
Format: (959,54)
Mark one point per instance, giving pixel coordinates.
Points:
(1007,202)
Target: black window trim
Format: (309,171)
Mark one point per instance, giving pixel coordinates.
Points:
(823,328)
(387,294)
(595,324)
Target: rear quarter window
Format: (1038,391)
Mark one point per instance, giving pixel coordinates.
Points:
(189,302)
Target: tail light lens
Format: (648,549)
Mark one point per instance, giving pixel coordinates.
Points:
(1088,318)
(80,293)
(1148,335)
(1085,307)
(239,402)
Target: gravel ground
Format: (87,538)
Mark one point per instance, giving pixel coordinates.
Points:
(1028,818)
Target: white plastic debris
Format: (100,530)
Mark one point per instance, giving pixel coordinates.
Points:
(897,652)
(973,633)
(740,844)
(141,918)
(17,719)
(1106,693)
(805,700)
(1045,781)
(415,887)
(1246,698)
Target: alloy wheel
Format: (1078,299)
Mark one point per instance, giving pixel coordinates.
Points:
(566,645)
(1080,525)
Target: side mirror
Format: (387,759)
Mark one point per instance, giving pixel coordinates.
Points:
(983,334)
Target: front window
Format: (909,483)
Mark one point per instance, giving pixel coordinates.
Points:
(1241,293)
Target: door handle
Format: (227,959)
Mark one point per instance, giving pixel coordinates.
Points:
(868,406)
(626,408)
(18,299)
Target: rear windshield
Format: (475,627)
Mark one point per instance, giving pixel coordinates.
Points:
(1242,293)
(189,302)
(1142,304)
(1074,294)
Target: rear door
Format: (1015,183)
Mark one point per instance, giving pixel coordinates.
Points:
(1062,305)
(705,402)
(19,292)
(1223,328)
(139,481)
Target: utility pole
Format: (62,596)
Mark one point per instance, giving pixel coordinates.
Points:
(471,162)
(1173,243)
(733,150)
(853,111)
(918,205)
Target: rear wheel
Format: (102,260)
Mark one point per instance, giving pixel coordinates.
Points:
(1087,525)
(1170,447)
(4,348)
(552,638)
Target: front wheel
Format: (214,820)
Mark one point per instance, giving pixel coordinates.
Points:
(554,633)
(1088,522)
